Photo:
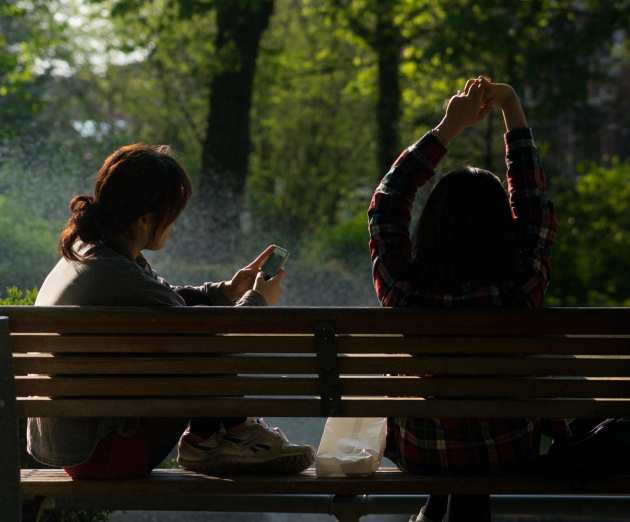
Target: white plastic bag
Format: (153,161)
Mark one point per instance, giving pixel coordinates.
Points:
(351,447)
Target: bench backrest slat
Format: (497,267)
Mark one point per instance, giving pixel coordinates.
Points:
(584,366)
(174,364)
(303,343)
(195,386)
(359,407)
(53,343)
(98,361)
(201,320)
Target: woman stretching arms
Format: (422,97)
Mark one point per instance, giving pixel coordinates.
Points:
(476,245)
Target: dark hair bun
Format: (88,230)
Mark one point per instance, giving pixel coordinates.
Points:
(86,218)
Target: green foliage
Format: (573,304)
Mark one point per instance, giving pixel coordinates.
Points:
(27,247)
(29,37)
(15,296)
(313,125)
(593,248)
(346,243)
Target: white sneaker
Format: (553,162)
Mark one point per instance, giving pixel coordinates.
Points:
(420,517)
(257,448)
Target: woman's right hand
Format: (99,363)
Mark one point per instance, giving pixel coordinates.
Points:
(499,93)
(270,289)
(505,97)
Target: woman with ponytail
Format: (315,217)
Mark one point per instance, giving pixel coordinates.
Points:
(140,191)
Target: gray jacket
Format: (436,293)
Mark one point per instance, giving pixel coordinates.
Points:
(107,278)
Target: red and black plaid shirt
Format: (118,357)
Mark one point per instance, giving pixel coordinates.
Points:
(434,445)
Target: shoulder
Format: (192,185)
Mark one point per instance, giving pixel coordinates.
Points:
(104,278)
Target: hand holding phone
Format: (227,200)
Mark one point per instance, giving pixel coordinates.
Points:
(244,279)
(275,262)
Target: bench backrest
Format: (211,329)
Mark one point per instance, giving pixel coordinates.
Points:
(301,362)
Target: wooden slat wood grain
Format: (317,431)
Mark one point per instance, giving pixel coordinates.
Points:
(558,345)
(21,343)
(155,407)
(349,407)
(490,365)
(279,343)
(521,388)
(383,364)
(176,482)
(177,386)
(470,322)
(190,365)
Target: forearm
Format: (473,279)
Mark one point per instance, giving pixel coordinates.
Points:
(446,131)
(251,298)
(513,114)
(208,294)
(533,213)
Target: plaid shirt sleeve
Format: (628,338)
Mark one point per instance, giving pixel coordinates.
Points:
(533,214)
(389,216)
(537,226)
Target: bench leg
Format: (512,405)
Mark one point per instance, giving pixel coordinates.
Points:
(32,509)
(9,438)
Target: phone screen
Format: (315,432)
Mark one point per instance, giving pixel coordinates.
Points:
(274,262)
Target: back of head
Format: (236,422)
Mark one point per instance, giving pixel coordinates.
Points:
(465,234)
(133,181)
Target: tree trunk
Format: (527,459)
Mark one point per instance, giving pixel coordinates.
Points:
(388,45)
(227,144)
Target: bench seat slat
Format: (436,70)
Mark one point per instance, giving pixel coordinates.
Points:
(178,386)
(55,482)
(304,407)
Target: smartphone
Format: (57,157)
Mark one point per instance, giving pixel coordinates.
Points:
(275,262)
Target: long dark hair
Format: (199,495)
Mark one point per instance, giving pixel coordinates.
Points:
(133,181)
(465,235)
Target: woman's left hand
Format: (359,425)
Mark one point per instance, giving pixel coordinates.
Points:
(464,109)
(244,279)
(469,107)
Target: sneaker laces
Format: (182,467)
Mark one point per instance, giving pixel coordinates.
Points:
(272,429)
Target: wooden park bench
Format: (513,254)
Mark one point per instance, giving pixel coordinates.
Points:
(303,362)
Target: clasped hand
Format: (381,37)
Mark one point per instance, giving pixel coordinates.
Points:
(471,105)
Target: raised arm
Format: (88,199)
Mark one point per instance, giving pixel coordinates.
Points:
(389,213)
(532,211)
(389,216)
